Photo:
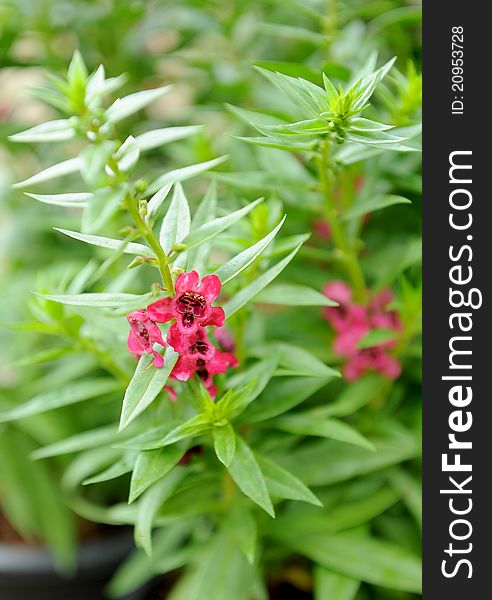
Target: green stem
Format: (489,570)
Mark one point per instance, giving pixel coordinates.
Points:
(149,236)
(350,258)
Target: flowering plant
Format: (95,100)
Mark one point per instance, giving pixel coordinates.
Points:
(209,378)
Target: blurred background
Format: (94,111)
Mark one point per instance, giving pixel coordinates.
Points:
(207,49)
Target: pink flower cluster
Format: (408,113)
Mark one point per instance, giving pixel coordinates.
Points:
(192,308)
(352,322)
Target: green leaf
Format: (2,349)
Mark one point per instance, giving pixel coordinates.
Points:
(101,208)
(283,484)
(70,200)
(185,173)
(51,131)
(375,337)
(159,137)
(220,571)
(77,72)
(333,586)
(342,513)
(105,242)
(241,261)
(124,107)
(282,394)
(292,32)
(279,144)
(176,223)
(355,396)
(241,525)
(325,462)
(246,387)
(195,426)
(152,465)
(169,553)
(65,396)
(32,499)
(363,558)
(361,124)
(310,424)
(211,229)
(296,360)
(198,256)
(96,300)
(147,382)
(410,489)
(290,294)
(224,443)
(157,200)
(248,476)
(149,506)
(372,204)
(80,441)
(66,167)
(250,291)
(115,470)
(369,83)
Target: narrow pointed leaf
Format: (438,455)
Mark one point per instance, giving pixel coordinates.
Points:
(150,504)
(290,294)
(283,484)
(254,288)
(224,443)
(333,586)
(176,223)
(157,200)
(105,242)
(247,474)
(71,200)
(80,441)
(96,300)
(213,228)
(185,173)
(117,469)
(159,137)
(69,394)
(372,204)
(152,465)
(242,260)
(66,167)
(124,107)
(146,384)
(51,131)
(307,424)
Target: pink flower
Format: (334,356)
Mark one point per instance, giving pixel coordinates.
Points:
(192,304)
(322,229)
(144,332)
(351,322)
(371,359)
(198,355)
(225,339)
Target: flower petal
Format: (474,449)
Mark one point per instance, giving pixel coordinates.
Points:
(187,282)
(338,291)
(162,310)
(183,369)
(158,359)
(216,317)
(210,288)
(180,341)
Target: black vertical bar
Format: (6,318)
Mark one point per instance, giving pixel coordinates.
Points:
(467,130)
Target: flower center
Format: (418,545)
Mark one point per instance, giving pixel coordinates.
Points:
(191,305)
(201,369)
(142,331)
(200,347)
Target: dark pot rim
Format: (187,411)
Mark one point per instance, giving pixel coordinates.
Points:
(91,555)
